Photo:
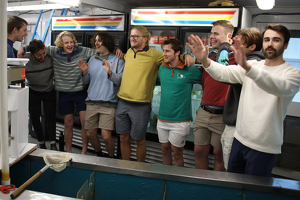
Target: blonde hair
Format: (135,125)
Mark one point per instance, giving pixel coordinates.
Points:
(144,32)
(59,43)
(227,25)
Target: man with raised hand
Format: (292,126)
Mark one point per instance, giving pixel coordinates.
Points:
(208,125)
(268,88)
(136,91)
(251,38)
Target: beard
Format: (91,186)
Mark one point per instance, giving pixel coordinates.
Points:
(275,54)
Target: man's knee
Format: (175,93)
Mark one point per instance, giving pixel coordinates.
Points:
(141,142)
(124,138)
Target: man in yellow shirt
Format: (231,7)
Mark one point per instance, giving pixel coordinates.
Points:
(136,91)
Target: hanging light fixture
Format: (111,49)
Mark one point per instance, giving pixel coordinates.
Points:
(265,4)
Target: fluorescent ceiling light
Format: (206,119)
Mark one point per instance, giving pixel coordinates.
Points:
(265,4)
(34,5)
(71,3)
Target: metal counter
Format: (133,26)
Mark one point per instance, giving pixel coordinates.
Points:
(179,174)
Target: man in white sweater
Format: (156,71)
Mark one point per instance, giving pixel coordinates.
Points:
(268,88)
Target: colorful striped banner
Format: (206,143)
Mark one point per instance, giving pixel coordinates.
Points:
(183,17)
(110,23)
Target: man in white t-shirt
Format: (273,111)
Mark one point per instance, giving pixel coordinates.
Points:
(268,88)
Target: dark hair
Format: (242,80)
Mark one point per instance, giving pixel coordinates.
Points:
(15,21)
(107,40)
(251,36)
(36,45)
(176,44)
(280,29)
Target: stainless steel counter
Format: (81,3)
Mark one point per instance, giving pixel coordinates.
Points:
(171,173)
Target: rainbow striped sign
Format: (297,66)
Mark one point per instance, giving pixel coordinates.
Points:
(183,17)
(108,23)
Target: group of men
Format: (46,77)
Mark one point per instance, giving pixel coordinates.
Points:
(245,132)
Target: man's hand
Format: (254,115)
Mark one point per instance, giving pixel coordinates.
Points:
(239,55)
(83,66)
(119,53)
(106,67)
(199,50)
(189,60)
(21,53)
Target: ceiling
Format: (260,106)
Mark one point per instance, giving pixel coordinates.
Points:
(124,6)
(199,3)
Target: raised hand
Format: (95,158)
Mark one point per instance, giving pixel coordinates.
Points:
(239,54)
(83,66)
(106,66)
(199,50)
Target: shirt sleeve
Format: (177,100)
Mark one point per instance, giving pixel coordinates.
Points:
(196,74)
(284,85)
(228,74)
(116,77)
(159,57)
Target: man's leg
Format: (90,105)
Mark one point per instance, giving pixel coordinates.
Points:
(109,143)
(94,140)
(201,156)
(219,164)
(259,163)
(166,153)
(236,163)
(84,137)
(35,114)
(141,150)
(178,156)
(125,146)
(68,131)
(49,105)
(226,141)
(202,138)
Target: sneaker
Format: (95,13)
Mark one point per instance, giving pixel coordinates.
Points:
(42,146)
(99,153)
(114,157)
(53,147)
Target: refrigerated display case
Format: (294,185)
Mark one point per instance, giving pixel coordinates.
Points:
(85,27)
(165,23)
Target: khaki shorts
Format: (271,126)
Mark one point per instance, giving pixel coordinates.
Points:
(226,140)
(100,117)
(208,128)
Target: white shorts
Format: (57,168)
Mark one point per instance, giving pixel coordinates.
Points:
(175,133)
(226,141)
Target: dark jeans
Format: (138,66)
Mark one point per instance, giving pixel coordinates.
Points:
(245,160)
(49,107)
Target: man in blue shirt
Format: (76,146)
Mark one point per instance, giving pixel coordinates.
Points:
(16,31)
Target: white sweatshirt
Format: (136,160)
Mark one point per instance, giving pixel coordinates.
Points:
(266,93)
